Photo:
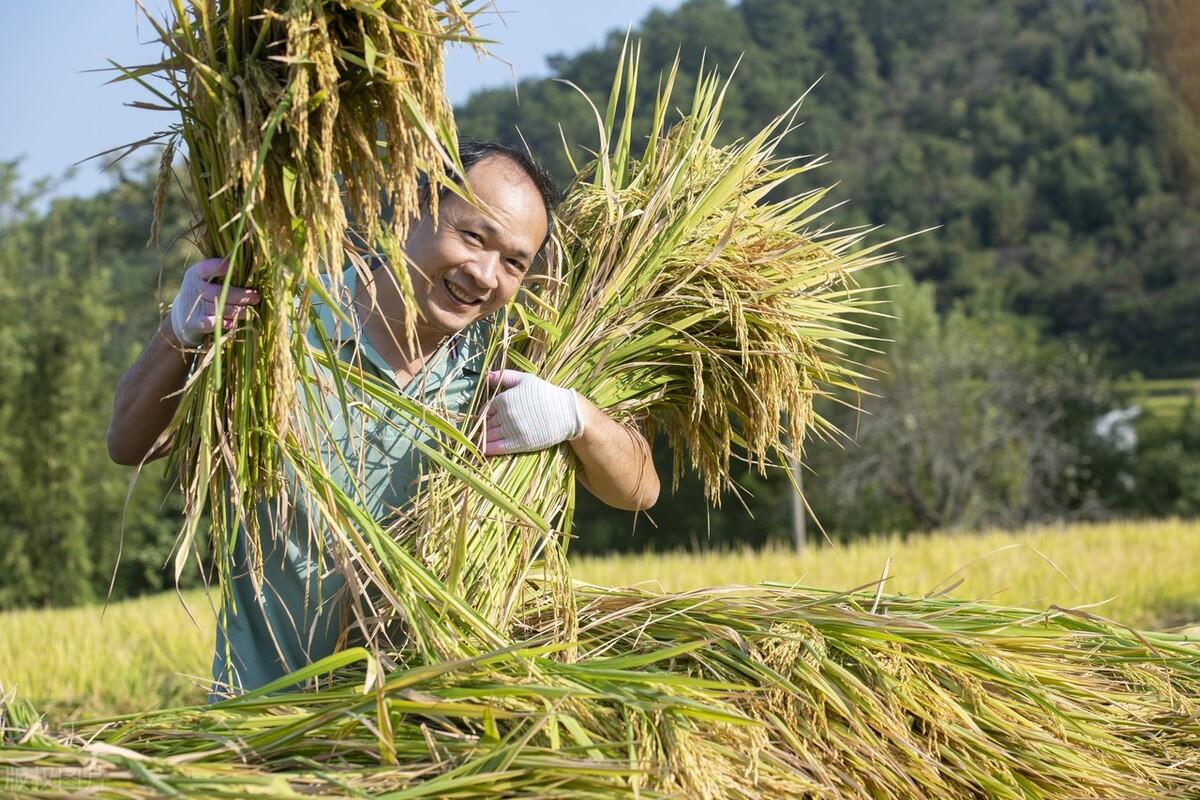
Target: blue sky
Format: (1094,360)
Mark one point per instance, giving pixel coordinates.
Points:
(52,113)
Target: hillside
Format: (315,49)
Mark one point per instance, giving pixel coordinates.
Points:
(1042,137)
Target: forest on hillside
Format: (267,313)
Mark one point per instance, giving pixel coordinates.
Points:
(1043,138)
(1045,142)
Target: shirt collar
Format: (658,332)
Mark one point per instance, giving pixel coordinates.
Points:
(462,351)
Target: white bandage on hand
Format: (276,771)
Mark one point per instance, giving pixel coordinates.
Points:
(194,312)
(529,413)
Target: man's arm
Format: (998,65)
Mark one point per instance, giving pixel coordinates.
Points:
(529,413)
(618,467)
(146,398)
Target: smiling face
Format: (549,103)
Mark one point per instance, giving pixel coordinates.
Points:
(472,261)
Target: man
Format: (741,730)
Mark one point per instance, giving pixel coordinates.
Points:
(465,267)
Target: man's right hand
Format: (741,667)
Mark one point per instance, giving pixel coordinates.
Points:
(194,312)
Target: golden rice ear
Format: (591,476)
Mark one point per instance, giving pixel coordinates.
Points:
(166,171)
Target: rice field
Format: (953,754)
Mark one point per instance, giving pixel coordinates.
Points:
(1139,573)
(149,652)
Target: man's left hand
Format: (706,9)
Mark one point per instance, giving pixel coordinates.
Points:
(529,413)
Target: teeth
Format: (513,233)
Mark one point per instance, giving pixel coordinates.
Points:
(457,294)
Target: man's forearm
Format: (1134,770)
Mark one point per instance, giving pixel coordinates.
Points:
(147,397)
(617,464)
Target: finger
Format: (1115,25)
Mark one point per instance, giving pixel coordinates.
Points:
(237,295)
(496,417)
(208,324)
(205,324)
(495,430)
(211,268)
(236,313)
(208,308)
(504,379)
(497,447)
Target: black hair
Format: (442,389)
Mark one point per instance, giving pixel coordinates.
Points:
(472,152)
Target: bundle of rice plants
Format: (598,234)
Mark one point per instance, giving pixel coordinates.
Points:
(686,297)
(300,122)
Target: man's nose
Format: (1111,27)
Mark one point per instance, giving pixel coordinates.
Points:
(485,269)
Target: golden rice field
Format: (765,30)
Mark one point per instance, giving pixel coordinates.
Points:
(149,652)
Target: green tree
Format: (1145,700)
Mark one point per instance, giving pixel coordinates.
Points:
(975,421)
(1042,137)
(77,296)
(1167,465)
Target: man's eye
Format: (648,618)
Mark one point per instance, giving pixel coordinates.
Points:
(517,265)
(473,235)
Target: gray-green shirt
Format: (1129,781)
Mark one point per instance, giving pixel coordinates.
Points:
(295,614)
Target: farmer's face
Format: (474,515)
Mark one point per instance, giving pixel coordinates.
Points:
(472,261)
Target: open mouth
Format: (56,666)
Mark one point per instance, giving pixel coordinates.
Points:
(459,296)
